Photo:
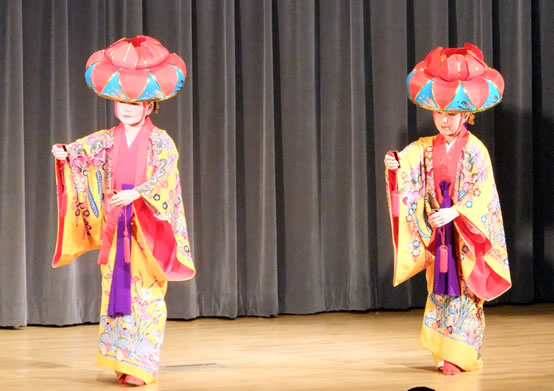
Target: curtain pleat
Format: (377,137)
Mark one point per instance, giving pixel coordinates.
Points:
(13,266)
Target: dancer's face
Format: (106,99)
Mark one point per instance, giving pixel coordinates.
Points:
(132,113)
(448,124)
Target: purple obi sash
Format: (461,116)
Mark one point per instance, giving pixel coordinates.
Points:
(446,283)
(120,292)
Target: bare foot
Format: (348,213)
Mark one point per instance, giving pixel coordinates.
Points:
(134,381)
(449,368)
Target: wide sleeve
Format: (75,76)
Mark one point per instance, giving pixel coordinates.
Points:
(80,189)
(483,249)
(160,211)
(406,200)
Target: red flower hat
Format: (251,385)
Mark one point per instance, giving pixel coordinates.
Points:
(455,80)
(139,69)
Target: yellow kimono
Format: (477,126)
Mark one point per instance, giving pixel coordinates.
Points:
(453,325)
(159,245)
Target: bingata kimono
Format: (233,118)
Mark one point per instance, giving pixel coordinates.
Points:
(466,261)
(142,246)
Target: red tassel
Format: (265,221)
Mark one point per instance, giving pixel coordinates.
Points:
(443,261)
(395,203)
(127,248)
(126,238)
(126,241)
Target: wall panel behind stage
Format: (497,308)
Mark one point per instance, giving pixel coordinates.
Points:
(287,111)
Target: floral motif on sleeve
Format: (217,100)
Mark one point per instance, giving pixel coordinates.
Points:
(91,149)
(88,159)
(493,223)
(163,160)
(473,170)
(477,196)
(412,189)
(162,188)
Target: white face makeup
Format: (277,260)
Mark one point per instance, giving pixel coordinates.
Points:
(132,114)
(448,124)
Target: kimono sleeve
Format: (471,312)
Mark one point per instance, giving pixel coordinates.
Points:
(80,189)
(484,256)
(161,213)
(406,200)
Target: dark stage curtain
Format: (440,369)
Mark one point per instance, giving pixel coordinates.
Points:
(287,111)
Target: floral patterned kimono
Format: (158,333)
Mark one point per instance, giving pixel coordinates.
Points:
(143,245)
(466,260)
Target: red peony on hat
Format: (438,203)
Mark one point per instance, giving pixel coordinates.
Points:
(139,69)
(455,80)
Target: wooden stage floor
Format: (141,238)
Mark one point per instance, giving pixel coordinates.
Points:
(334,351)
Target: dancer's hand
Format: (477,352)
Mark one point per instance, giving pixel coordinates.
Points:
(124,197)
(59,152)
(391,163)
(443,216)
